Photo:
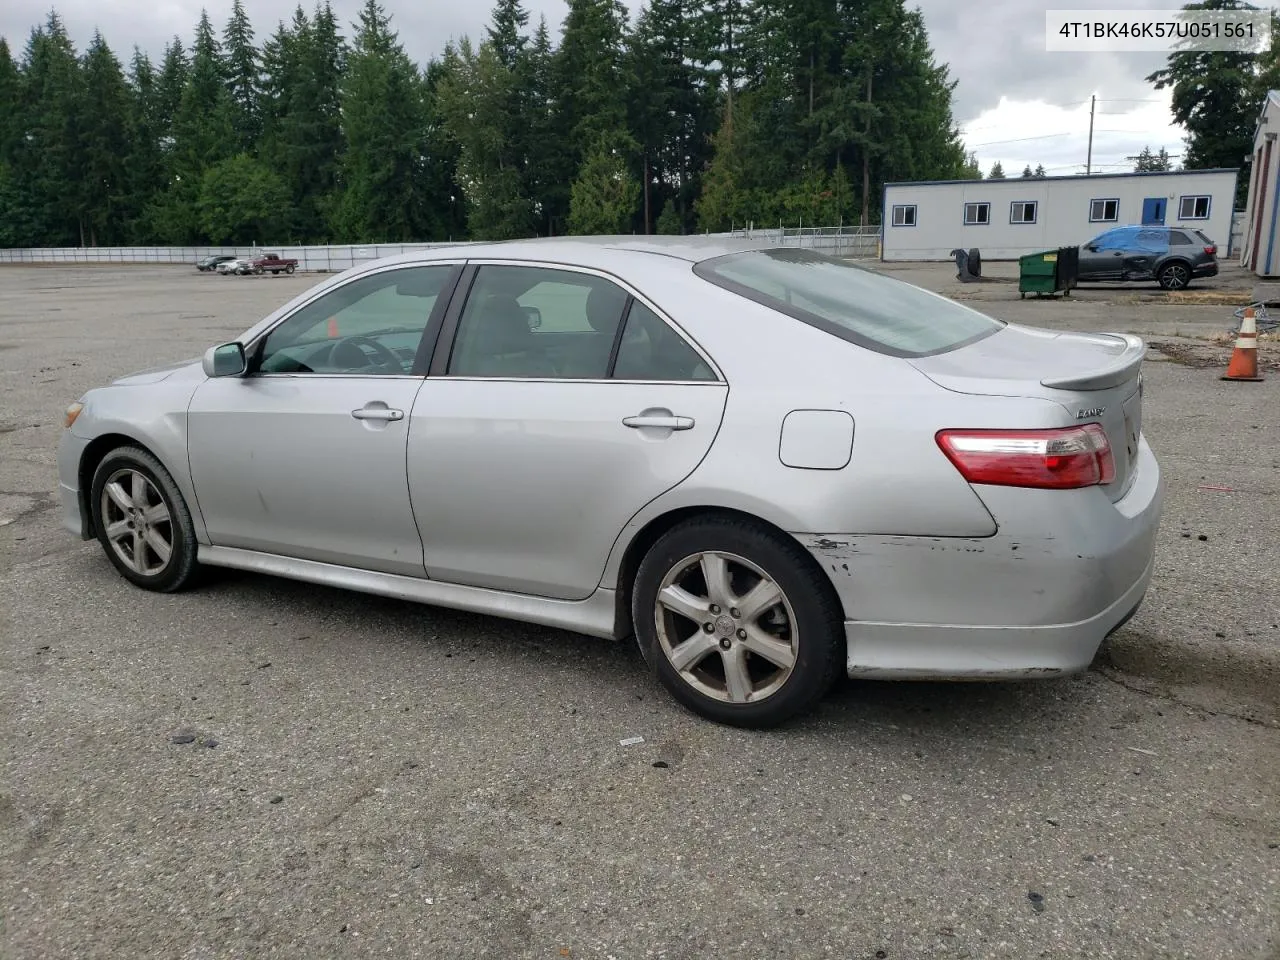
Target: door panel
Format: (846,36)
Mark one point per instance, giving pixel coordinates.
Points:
(1153,210)
(281,464)
(525,485)
(1106,261)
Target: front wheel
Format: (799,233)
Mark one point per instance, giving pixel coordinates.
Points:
(142,522)
(1174,276)
(736,622)
(289,269)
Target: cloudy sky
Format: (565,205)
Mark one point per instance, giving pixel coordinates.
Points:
(1016,102)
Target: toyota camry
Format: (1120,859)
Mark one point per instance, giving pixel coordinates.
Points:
(763,465)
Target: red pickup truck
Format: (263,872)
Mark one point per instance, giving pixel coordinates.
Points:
(270,262)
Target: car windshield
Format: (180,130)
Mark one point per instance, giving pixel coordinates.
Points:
(850,301)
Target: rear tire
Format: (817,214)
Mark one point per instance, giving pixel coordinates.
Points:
(775,642)
(289,269)
(142,522)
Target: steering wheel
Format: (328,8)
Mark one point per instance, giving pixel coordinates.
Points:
(383,356)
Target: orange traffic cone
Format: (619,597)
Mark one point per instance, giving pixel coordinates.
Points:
(1244,359)
(333,328)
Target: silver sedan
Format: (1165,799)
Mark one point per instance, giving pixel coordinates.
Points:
(766,465)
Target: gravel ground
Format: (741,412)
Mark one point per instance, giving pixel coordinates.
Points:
(265,768)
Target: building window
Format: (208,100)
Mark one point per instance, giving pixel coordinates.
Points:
(1104,211)
(977,213)
(1193,208)
(904,215)
(1022,211)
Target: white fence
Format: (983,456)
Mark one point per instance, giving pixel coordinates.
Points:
(839,241)
(853,242)
(322,259)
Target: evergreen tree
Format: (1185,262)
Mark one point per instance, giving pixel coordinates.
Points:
(591,93)
(243,77)
(1215,98)
(1148,162)
(144,163)
(605,194)
(384,114)
(475,97)
(103,143)
(1026,172)
(997,171)
(506,32)
(670,222)
(1040,171)
(48,171)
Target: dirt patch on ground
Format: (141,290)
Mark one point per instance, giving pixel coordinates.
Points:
(1214,352)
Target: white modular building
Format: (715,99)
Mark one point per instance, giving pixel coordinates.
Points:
(1006,218)
(1259,247)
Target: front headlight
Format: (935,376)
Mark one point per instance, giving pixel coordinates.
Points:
(73,411)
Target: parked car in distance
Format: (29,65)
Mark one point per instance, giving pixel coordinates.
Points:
(767,466)
(211,262)
(271,263)
(237,265)
(1172,256)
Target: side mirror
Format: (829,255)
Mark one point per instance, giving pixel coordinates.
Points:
(1092,248)
(225,360)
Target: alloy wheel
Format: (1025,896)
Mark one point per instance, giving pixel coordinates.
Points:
(726,627)
(137,522)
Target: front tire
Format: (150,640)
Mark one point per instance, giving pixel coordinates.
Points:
(1175,276)
(736,623)
(142,521)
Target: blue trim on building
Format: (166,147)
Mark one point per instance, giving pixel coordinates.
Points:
(1271,238)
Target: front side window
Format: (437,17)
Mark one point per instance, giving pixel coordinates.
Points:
(849,301)
(977,213)
(370,326)
(904,215)
(1104,211)
(537,322)
(1193,208)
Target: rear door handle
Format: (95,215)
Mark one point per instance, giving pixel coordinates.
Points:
(664,422)
(377,413)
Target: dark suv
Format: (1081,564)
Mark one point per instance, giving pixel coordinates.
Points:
(1172,256)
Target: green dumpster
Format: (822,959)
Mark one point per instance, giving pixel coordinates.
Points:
(1038,273)
(1049,271)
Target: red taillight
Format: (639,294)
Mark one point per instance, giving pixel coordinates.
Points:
(1061,459)
(1211,250)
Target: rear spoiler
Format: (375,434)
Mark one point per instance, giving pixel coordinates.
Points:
(1120,370)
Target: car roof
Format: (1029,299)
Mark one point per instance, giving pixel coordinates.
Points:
(598,251)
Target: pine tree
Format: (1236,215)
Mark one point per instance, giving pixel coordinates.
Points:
(48,168)
(104,141)
(241,65)
(604,195)
(384,114)
(1040,171)
(1026,172)
(144,163)
(506,32)
(997,171)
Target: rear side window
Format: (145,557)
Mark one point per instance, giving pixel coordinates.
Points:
(851,302)
(1177,236)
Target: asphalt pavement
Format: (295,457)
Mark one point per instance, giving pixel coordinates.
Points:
(267,768)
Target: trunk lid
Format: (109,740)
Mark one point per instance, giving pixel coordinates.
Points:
(1095,377)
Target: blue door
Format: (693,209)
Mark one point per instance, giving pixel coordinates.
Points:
(1153,210)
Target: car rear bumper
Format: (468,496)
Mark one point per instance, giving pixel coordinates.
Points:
(1036,599)
(1205,270)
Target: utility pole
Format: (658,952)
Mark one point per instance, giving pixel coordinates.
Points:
(1088,163)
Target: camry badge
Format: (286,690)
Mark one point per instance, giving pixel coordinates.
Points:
(1088,412)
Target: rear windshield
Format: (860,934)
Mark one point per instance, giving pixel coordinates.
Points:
(849,301)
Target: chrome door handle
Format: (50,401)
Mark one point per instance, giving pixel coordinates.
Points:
(668,423)
(377,413)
